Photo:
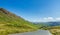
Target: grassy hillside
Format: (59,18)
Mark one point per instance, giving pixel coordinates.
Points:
(55,30)
(40,25)
(53,27)
(10,23)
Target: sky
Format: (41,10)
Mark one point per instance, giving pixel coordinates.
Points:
(34,10)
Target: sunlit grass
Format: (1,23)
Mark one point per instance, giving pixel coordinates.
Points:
(10,23)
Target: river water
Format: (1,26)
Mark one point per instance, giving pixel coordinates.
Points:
(39,32)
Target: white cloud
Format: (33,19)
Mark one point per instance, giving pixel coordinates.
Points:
(50,18)
(47,19)
(57,18)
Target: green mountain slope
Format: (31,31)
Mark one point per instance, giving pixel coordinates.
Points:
(10,23)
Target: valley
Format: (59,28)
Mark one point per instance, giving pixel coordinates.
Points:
(11,23)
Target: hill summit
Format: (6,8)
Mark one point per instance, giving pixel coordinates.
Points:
(11,23)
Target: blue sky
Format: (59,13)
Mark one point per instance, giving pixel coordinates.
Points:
(33,10)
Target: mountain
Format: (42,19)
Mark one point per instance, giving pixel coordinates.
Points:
(56,23)
(46,24)
(11,23)
(53,23)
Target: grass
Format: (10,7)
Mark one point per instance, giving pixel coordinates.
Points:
(10,23)
(55,30)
